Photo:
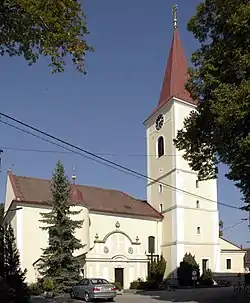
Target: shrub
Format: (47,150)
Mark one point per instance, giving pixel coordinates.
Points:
(157,270)
(137,284)
(48,285)
(40,287)
(184,271)
(206,278)
(150,285)
(117,285)
(35,289)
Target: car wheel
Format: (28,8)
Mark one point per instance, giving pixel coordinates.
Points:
(111,300)
(86,297)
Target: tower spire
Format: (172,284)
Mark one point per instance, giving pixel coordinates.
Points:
(174,12)
(176,72)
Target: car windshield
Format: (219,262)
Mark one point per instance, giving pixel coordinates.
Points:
(99,281)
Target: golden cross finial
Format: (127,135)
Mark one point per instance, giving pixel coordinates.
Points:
(174,11)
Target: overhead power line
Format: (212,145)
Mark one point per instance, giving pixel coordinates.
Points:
(233,226)
(67,152)
(61,146)
(99,159)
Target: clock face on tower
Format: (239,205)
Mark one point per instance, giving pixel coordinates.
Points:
(159,122)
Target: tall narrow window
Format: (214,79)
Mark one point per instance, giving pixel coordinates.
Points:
(160,188)
(160,208)
(160,146)
(198,230)
(229,265)
(204,265)
(197,204)
(197,184)
(151,244)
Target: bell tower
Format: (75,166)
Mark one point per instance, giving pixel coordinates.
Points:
(189,207)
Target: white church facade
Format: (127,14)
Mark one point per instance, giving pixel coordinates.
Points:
(180,212)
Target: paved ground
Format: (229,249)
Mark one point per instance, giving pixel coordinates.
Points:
(220,295)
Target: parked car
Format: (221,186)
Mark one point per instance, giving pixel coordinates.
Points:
(94,288)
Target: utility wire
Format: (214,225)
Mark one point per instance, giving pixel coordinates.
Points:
(99,159)
(35,150)
(61,146)
(66,152)
(233,226)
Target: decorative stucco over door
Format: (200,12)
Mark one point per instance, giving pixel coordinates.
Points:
(117,257)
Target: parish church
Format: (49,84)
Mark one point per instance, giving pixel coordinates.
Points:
(180,214)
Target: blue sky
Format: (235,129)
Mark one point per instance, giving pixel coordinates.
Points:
(103,111)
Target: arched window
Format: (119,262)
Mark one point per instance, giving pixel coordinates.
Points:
(160,146)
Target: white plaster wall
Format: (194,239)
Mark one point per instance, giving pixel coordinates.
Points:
(237,262)
(112,253)
(9,194)
(31,239)
(102,224)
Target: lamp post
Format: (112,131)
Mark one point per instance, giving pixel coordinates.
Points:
(2,241)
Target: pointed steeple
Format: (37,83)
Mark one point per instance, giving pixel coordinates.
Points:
(176,74)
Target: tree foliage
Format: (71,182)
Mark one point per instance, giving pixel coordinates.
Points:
(157,269)
(1,212)
(218,132)
(1,241)
(53,28)
(221,228)
(13,275)
(184,271)
(58,262)
(207,278)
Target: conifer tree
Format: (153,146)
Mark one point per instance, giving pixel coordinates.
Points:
(58,262)
(13,274)
(184,271)
(1,241)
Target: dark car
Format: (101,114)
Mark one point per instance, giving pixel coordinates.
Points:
(94,288)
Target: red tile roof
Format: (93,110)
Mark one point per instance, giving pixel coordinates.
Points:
(37,191)
(176,75)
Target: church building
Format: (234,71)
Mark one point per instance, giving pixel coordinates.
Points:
(180,214)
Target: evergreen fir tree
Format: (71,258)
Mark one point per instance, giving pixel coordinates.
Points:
(13,274)
(58,262)
(1,241)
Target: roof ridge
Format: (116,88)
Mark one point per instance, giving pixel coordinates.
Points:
(37,190)
(81,185)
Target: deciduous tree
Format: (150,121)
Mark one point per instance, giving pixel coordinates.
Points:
(219,131)
(1,212)
(53,28)
(221,228)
